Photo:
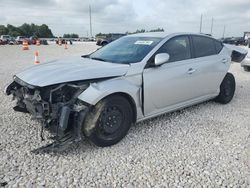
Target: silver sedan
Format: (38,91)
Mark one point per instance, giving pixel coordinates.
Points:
(134,78)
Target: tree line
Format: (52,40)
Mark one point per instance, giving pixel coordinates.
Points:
(128,33)
(72,35)
(43,31)
(144,31)
(27,30)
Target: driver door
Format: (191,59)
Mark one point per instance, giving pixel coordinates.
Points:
(172,83)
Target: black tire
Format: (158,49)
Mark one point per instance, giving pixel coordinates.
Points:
(104,43)
(109,120)
(246,68)
(227,89)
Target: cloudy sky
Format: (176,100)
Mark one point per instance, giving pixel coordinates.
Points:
(71,16)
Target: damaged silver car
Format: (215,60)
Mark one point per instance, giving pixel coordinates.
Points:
(99,96)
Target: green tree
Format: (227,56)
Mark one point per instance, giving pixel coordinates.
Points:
(98,35)
(3,30)
(44,31)
(34,29)
(140,31)
(157,30)
(14,30)
(73,35)
(66,36)
(14,33)
(26,30)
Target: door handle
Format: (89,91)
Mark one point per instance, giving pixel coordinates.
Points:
(224,61)
(191,71)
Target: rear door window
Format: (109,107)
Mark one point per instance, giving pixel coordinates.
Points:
(203,46)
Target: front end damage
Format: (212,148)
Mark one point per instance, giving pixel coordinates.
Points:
(56,107)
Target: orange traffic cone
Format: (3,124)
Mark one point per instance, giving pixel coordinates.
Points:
(36,58)
(38,42)
(25,45)
(65,46)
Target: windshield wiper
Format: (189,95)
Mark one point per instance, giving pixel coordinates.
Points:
(85,56)
(98,59)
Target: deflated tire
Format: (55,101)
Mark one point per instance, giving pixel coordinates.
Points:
(227,89)
(109,121)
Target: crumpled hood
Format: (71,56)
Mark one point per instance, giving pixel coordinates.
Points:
(70,69)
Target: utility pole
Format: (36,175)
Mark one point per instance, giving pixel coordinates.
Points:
(90,22)
(201,24)
(212,24)
(224,29)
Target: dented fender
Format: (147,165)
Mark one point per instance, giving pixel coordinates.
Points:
(126,85)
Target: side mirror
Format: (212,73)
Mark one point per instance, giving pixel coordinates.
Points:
(161,58)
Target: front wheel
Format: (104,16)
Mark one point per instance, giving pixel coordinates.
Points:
(109,121)
(227,89)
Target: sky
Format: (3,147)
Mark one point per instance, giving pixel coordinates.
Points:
(112,16)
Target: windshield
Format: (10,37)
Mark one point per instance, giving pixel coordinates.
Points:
(6,36)
(126,50)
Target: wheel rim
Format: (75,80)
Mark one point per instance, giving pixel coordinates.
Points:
(228,89)
(110,120)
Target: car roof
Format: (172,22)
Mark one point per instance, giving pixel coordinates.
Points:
(166,34)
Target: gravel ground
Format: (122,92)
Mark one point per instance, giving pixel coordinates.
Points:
(204,145)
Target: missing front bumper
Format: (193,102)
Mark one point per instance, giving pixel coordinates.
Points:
(56,108)
(65,139)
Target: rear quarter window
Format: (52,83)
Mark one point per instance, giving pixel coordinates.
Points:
(218,46)
(203,46)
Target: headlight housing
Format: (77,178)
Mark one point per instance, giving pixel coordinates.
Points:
(66,92)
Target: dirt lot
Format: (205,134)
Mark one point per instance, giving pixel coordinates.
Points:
(205,145)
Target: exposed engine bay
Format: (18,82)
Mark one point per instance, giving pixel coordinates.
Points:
(56,107)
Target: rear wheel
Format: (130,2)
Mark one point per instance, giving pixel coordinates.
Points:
(227,89)
(109,121)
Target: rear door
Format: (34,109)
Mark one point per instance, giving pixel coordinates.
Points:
(212,64)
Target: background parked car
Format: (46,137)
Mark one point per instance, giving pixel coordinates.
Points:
(248,42)
(246,62)
(33,39)
(12,41)
(63,41)
(5,38)
(44,42)
(234,40)
(20,39)
(105,39)
(2,42)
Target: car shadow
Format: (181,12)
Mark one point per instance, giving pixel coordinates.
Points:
(86,146)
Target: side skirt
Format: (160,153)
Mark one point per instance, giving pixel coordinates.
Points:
(178,107)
